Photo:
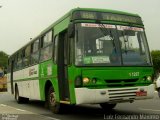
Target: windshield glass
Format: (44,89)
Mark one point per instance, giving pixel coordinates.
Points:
(100,45)
(133,45)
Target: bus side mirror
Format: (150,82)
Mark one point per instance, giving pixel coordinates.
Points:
(71,30)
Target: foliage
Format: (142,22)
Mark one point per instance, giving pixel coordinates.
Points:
(3,59)
(156,60)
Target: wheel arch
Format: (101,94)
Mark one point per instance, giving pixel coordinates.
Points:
(46,87)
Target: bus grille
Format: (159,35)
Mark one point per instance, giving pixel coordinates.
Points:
(122,94)
(121,82)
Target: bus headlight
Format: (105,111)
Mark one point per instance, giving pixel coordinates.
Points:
(85,80)
(149,78)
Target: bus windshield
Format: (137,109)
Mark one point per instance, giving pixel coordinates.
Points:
(110,45)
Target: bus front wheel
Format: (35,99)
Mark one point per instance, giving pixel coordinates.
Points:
(54,106)
(107,106)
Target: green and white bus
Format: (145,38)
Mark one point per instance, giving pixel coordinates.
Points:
(94,56)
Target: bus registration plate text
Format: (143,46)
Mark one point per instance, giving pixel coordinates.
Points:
(141,93)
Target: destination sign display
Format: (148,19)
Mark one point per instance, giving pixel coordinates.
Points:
(81,15)
(88,15)
(97,25)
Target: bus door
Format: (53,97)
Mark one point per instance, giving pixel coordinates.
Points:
(63,67)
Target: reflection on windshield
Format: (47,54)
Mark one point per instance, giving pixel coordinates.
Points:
(98,45)
(133,46)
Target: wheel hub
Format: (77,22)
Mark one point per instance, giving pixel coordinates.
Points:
(52,99)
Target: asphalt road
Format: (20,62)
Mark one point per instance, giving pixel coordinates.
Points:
(35,110)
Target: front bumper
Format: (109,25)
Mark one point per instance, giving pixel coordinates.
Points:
(112,95)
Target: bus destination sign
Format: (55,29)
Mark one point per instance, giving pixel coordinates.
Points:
(79,15)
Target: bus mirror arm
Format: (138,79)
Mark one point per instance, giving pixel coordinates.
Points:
(71,30)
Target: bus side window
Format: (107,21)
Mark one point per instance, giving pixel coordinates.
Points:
(35,52)
(46,47)
(19,60)
(26,56)
(46,53)
(47,39)
(55,48)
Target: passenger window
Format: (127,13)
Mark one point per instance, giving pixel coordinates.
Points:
(55,48)
(46,53)
(35,52)
(19,61)
(35,46)
(35,58)
(46,47)
(26,56)
(27,50)
(46,39)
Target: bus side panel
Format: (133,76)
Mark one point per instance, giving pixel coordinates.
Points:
(33,82)
(28,82)
(73,73)
(48,72)
(18,78)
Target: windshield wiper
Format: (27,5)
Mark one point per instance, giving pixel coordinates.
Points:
(108,32)
(105,31)
(125,41)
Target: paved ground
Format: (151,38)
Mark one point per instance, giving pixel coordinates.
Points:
(34,110)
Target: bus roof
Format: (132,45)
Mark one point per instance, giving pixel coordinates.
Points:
(70,14)
(105,10)
(88,9)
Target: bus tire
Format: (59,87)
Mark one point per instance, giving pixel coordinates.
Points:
(17,97)
(20,99)
(53,105)
(107,106)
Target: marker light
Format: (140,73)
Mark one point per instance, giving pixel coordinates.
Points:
(94,80)
(149,78)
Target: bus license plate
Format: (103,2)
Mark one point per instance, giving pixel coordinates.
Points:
(140,93)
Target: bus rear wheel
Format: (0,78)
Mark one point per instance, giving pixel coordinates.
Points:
(54,106)
(107,106)
(18,98)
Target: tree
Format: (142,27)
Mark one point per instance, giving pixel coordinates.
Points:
(3,59)
(156,60)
